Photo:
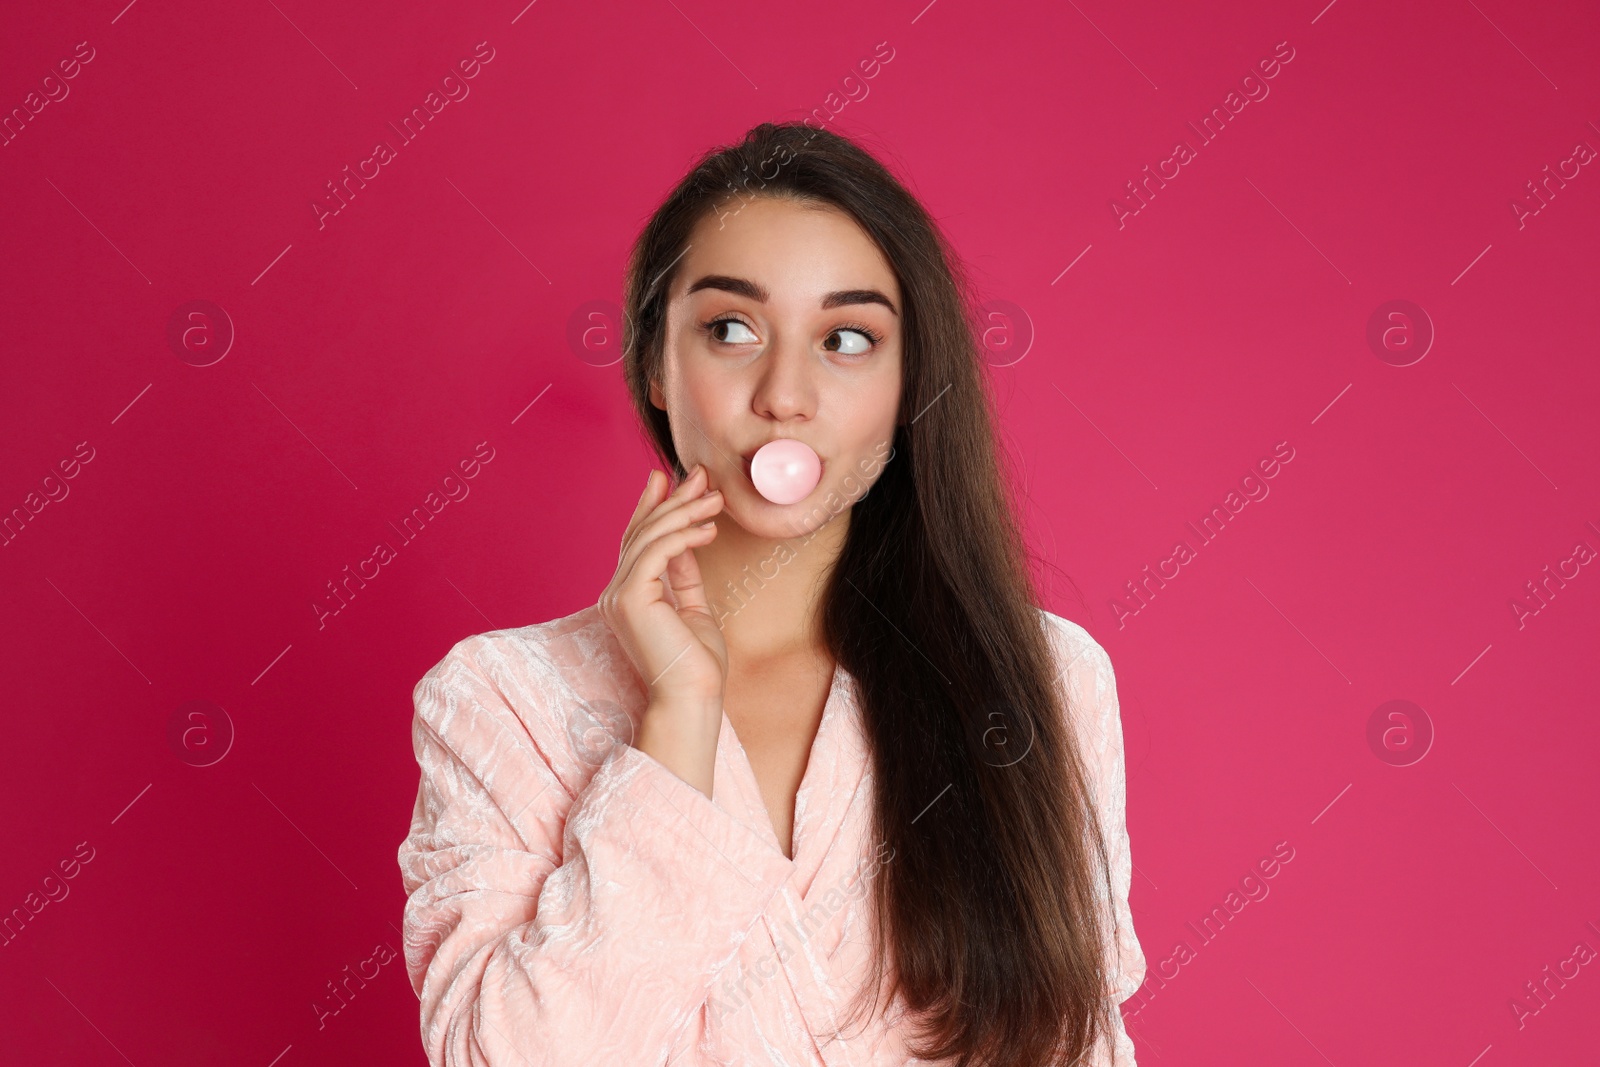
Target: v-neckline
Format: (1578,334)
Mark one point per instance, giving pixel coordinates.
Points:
(748,788)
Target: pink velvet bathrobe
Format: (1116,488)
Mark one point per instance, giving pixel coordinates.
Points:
(574,902)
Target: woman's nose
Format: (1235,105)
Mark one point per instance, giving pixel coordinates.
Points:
(785,389)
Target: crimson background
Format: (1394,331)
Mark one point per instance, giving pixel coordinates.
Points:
(1143,368)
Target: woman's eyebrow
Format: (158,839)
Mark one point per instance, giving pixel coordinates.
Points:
(746,288)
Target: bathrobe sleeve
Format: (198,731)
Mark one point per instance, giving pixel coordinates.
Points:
(1092,694)
(553,927)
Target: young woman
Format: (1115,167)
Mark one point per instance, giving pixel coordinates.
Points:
(813,783)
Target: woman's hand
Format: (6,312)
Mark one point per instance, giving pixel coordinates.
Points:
(677,648)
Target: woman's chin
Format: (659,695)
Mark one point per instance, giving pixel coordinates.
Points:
(760,517)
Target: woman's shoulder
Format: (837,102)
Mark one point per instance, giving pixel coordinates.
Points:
(1074,647)
(1084,669)
(541,671)
(568,641)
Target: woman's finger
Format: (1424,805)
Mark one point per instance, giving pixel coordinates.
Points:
(647,504)
(654,500)
(656,554)
(695,511)
(667,516)
(649,500)
(683,576)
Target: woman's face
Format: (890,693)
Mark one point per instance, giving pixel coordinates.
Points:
(783,321)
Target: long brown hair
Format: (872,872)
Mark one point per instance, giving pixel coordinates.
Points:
(987,913)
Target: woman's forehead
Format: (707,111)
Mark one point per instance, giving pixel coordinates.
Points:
(787,251)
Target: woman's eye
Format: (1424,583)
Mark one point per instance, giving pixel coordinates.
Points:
(721,327)
(858,345)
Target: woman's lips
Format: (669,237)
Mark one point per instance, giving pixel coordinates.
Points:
(744,465)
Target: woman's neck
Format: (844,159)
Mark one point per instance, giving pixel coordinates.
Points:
(766,594)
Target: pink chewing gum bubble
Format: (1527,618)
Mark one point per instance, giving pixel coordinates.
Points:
(785,471)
